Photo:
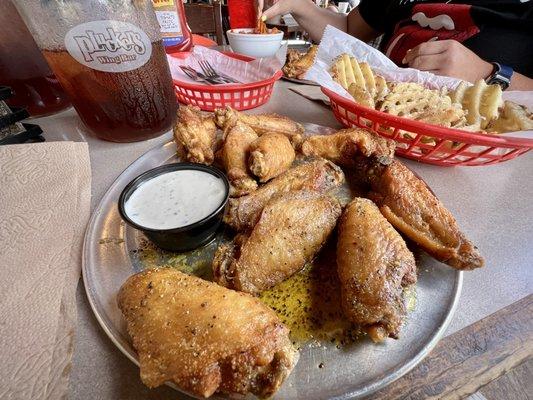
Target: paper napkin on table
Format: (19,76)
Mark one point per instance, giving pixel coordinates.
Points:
(45,192)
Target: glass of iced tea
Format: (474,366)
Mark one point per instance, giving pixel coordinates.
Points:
(23,68)
(109,57)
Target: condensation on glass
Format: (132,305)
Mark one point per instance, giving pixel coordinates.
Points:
(109,57)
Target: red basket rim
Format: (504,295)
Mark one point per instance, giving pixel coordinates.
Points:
(456,135)
(229,88)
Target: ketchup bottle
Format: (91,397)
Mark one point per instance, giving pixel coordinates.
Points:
(242,14)
(175,31)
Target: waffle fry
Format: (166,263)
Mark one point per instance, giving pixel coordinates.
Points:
(473,108)
(359,80)
(491,101)
(349,70)
(381,88)
(361,95)
(368,78)
(459,93)
(512,118)
(358,74)
(338,71)
(414,101)
(481,102)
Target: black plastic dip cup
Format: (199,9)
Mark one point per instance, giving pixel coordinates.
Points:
(187,237)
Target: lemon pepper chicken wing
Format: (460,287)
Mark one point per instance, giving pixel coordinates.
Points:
(195,135)
(413,209)
(319,175)
(374,265)
(261,123)
(299,63)
(270,155)
(343,146)
(291,230)
(234,157)
(203,337)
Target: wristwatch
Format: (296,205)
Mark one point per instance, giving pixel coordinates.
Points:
(501,75)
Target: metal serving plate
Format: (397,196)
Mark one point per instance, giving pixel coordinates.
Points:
(353,371)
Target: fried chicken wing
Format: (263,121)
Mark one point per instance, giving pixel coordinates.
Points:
(291,230)
(298,63)
(195,135)
(343,146)
(374,265)
(270,155)
(203,337)
(411,207)
(234,157)
(319,175)
(261,123)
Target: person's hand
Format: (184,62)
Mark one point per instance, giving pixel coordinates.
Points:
(448,58)
(279,8)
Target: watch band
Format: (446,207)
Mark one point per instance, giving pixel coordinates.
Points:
(501,75)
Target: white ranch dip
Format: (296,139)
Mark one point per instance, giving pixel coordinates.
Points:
(175,199)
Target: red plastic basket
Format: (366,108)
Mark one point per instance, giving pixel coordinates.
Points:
(429,143)
(239,97)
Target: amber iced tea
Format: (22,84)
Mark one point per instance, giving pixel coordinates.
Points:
(108,56)
(24,70)
(119,106)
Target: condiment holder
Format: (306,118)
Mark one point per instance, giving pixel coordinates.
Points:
(182,238)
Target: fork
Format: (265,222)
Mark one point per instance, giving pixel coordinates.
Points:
(197,77)
(209,71)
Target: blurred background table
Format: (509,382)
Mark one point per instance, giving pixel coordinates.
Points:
(493,204)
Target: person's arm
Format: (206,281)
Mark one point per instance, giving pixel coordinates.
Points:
(451,58)
(314,19)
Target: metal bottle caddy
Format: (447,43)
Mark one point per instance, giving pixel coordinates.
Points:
(11,130)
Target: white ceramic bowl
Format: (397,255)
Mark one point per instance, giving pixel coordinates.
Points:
(243,41)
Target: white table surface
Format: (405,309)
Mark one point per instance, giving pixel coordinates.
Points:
(493,205)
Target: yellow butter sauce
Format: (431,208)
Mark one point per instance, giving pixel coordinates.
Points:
(309,304)
(196,262)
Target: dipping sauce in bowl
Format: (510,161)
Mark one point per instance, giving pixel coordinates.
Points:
(175,199)
(177,206)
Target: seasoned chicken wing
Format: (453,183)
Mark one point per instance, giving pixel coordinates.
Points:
(291,230)
(195,135)
(343,146)
(261,123)
(411,207)
(270,155)
(374,265)
(298,63)
(203,337)
(234,157)
(319,175)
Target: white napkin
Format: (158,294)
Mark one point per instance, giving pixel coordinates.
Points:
(44,207)
(243,71)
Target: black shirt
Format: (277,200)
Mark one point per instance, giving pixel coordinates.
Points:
(496,30)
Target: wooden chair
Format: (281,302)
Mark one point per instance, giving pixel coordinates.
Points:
(206,19)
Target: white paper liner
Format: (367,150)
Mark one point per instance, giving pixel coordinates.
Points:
(243,71)
(335,42)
